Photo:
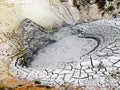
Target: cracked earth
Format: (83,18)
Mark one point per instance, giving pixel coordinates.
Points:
(97,68)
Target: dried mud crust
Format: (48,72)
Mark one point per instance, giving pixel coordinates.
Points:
(104,68)
(98,69)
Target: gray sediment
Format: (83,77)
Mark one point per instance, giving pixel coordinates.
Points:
(99,68)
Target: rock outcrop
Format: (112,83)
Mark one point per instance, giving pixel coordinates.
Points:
(35,36)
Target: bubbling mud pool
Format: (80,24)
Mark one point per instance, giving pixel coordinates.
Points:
(62,62)
(66,50)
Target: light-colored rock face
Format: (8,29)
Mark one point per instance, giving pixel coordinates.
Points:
(39,12)
(42,12)
(19,10)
